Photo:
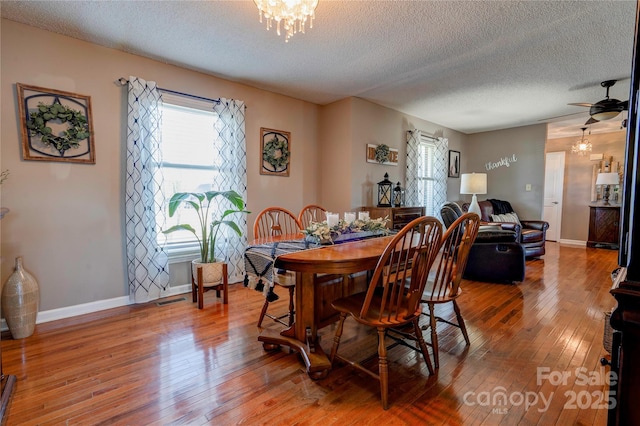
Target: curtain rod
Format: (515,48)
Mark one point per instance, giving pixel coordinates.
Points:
(123,81)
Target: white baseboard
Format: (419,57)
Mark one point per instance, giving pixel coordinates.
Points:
(573,242)
(87,308)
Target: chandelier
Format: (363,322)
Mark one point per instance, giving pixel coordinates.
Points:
(292,13)
(582,146)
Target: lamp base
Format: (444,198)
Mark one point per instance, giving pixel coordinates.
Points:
(474,207)
(606,195)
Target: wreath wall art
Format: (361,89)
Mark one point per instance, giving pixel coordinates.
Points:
(382,154)
(56,125)
(275,158)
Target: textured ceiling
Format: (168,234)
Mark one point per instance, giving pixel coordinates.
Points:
(471,66)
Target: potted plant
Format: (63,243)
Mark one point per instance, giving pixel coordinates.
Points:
(208,228)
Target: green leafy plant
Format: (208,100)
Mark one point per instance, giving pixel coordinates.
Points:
(208,226)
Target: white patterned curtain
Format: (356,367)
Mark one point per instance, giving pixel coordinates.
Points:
(426,171)
(147,261)
(232,147)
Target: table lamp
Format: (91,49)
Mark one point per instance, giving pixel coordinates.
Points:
(473,183)
(607,179)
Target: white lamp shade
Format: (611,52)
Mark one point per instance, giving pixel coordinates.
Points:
(473,183)
(608,179)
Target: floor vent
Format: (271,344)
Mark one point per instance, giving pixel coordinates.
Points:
(166,302)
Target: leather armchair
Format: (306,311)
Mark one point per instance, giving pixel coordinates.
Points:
(532,235)
(496,254)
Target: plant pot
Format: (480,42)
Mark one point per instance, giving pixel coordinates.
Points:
(211,272)
(20,301)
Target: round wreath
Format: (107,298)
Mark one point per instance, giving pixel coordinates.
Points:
(382,153)
(78,127)
(276,153)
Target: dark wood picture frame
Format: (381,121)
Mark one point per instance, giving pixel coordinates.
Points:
(454,164)
(275,152)
(62,146)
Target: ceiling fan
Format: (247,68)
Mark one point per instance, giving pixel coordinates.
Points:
(605,109)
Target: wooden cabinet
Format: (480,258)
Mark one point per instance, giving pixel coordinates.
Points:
(398,216)
(604,226)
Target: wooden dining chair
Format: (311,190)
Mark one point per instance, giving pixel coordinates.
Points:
(392,299)
(443,285)
(272,222)
(311,213)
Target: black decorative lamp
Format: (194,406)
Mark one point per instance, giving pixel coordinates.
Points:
(397,195)
(384,191)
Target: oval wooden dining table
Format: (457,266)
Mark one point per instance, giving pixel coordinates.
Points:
(322,275)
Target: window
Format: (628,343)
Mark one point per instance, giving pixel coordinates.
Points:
(425,178)
(189,163)
(426,171)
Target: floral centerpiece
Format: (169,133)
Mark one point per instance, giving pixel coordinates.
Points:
(321,232)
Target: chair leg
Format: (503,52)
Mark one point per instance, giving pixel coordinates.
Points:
(383,369)
(422,344)
(263,312)
(336,338)
(461,324)
(200,289)
(291,308)
(434,335)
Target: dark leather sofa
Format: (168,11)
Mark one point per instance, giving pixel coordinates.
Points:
(496,255)
(533,233)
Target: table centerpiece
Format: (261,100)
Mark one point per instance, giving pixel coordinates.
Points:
(322,233)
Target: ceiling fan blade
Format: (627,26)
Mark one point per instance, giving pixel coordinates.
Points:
(582,104)
(625,105)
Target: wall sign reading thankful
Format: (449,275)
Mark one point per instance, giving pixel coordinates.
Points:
(503,162)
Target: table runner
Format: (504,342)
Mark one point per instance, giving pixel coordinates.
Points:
(259,259)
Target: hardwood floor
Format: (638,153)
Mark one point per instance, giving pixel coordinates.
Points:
(175,364)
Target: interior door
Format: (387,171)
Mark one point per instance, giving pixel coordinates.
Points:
(553,188)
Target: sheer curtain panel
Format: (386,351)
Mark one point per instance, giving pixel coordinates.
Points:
(147,261)
(426,171)
(229,129)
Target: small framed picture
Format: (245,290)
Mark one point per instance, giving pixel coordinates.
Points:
(454,164)
(275,152)
(56,125)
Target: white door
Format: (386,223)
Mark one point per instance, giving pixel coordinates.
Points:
(553,187)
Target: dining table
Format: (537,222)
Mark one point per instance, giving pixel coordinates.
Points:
(323,273)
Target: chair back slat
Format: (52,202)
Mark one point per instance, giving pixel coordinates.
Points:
(456,242)
(311,213)
(275,221)
(400,275)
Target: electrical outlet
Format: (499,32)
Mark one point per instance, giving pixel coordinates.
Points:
(527,187)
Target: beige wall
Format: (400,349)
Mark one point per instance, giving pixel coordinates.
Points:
(577,179)
(66,220)
(347,126)
(490,152)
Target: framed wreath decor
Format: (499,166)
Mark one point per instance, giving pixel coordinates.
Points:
(382,154)
(275,158)
(56,125)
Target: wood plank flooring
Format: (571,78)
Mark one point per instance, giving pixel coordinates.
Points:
(174,364)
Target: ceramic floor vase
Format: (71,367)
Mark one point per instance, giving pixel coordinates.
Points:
(20,302)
